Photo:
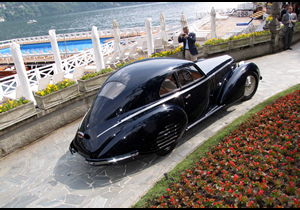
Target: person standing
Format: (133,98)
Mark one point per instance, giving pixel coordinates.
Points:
(289,24)
(190,51)
(283,11)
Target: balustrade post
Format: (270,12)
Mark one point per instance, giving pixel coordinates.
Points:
(21,71)
(37,74)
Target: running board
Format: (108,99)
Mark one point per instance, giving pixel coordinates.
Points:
(203,118)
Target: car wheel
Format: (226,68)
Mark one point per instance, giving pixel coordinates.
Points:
(166,150)
(251,85)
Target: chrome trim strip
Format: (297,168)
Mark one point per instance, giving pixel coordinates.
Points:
(203,118)
(111,160)
(83,118)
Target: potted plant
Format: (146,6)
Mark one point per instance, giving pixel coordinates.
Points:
(239,41)
(93,81)
(261,36)
(56,94)
(167,53)
(12,111)
(216,45)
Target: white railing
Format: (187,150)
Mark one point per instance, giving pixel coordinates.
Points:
(8,84)
(77,35)
(203,13)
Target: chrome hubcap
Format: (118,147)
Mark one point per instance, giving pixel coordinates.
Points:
(250,85)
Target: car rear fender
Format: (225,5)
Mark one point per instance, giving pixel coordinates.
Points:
(235,87)
(148,131)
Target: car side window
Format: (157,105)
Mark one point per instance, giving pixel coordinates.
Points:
(168,85)
(185,77)
(195,73)
(188,75)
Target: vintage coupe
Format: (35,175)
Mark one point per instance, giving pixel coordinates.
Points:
(146,106)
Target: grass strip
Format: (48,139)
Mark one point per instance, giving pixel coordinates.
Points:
(174,175)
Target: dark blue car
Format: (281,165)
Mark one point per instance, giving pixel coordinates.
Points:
(146,106)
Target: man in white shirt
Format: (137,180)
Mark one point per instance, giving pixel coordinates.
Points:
(190,51)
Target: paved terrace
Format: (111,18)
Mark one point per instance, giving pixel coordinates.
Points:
(45,174)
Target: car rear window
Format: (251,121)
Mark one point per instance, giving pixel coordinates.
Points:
(112,89)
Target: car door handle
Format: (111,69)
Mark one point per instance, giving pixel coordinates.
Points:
(188,96)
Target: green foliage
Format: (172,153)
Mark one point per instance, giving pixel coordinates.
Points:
(92,74)
(23,10)
(10,104)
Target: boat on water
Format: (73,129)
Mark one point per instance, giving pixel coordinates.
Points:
(9,70)
(31,21)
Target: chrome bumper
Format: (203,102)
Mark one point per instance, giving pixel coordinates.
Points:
(106,161)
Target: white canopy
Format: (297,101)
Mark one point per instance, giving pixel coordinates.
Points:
(21,71)
(183,21)
(54,45)
(117,46)
(213,23)
(98,56)
(163,32)
(149,36)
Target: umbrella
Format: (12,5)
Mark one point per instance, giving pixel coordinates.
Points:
(21,71)
(183,21)
(98,56)
(149,36)
(117,46)
(163,32)
(213,23)
(54,45)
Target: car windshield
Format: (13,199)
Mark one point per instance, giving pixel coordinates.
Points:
(112,89)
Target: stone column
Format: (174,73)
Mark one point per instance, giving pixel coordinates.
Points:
(274,27)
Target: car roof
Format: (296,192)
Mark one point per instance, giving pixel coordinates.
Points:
(142,80)
(146,69)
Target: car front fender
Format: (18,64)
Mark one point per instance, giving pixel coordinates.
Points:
(148,132)
(235,86)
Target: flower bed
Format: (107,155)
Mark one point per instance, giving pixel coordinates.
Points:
(215,41)
(254,166)
(56,94)
(93,81)
(240,43)
(219,47)
(52,88)
(166,52)
(10,104)
(14,111)
(94,74)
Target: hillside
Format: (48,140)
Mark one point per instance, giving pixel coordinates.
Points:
(24,10)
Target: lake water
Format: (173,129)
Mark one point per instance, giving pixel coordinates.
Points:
(129,16)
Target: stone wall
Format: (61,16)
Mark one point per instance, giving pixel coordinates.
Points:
(44,122)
